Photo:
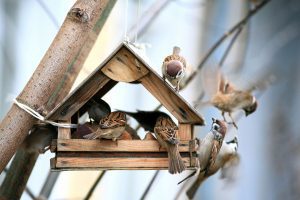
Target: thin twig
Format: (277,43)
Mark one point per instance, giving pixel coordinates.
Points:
(91,191)
(149,185)
(49,184)
(222,39)
(230,46)
(238,26)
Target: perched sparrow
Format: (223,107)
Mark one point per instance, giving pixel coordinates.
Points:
(110,127)
(173,68)
(209,147)
(228,99)
(227,160)
(146,119)
(96,108)
(166,133)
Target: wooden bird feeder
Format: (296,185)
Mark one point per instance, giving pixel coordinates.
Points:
(123,65)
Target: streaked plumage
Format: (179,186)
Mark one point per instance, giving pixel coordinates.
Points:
(166,132)
(110,127)
(226,160)
(174,67)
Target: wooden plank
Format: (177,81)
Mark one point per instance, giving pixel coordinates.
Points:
(125,67)
(114,163)
(74,101)
(175,104)
(82,145)
(64,133)
(186,131)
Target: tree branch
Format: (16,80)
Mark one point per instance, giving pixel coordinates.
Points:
(56,72)
(222,39)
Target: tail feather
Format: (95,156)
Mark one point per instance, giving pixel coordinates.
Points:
(194,187)
(94,135)
(176,164)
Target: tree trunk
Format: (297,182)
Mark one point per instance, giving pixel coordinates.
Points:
(56,72)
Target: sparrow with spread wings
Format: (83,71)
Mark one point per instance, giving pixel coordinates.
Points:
(227,98)
(110,127)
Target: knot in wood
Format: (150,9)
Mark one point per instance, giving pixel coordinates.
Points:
(79,14)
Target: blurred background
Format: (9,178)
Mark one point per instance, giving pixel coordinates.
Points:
(269,45)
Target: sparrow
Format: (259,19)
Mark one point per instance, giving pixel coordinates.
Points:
(147,119)
(166,132)
(227,159)
(110,127)
(96,108)
(209,147)
(173,68)
(229,99)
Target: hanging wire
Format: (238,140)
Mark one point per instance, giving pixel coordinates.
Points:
(138,21)
(126,39)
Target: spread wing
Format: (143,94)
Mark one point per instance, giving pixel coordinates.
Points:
(211,80)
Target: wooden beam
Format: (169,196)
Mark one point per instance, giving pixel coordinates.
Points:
(176,105)
(125,67)
(114,163)
(83,145)
(64,133)
(75,100)
(186,131)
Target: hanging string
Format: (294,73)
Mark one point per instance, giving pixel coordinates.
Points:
(126,39)
(138,21)
(42,118)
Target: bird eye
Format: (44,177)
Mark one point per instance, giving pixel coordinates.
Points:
(215,126)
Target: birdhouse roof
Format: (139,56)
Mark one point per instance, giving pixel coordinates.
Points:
(125,65)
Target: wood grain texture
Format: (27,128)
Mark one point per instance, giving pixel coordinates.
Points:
(186,131)
(74,101)
(178,107)
(64,133)
(83,145)
(114,163)
(124,67)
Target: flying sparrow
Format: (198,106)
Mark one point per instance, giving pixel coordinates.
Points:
(173,68)
(227,160)
(166,132)
(110,127)
(146,119)
(229,99)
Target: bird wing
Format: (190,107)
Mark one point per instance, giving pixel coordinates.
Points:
(211,80)
(113,120)
(213,155)
(168,134)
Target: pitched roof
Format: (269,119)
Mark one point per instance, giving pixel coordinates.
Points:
(125,65)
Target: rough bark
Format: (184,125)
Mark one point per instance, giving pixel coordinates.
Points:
(56,72)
